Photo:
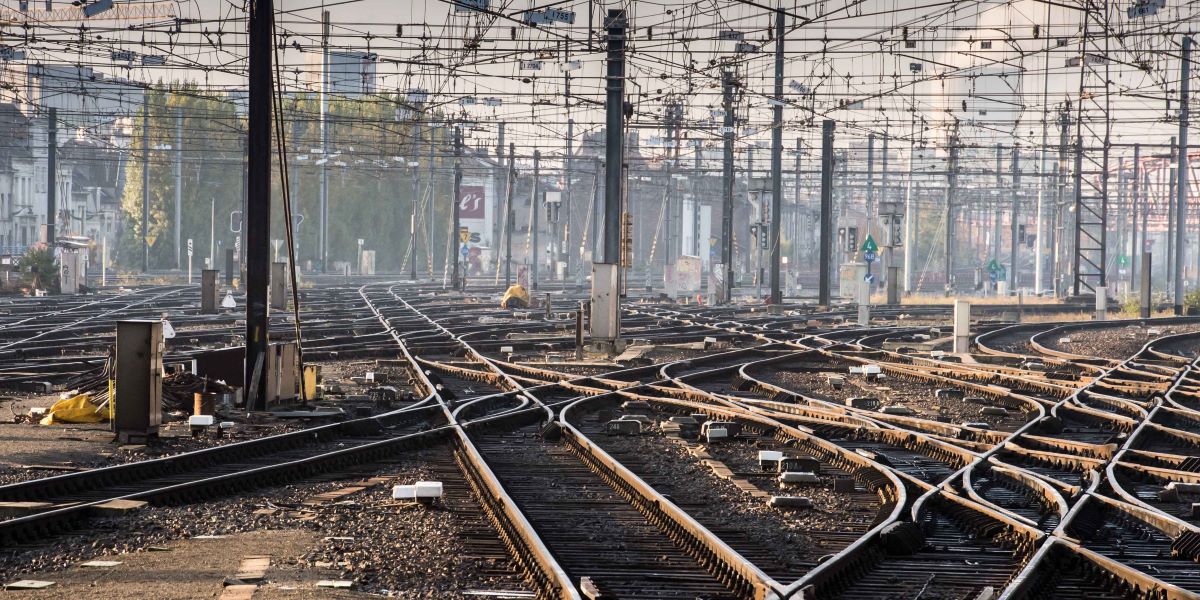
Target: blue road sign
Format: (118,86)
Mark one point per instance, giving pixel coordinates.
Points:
(870,256)
(465,251)
(869,278)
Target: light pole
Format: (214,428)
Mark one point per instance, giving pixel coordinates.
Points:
(212,233)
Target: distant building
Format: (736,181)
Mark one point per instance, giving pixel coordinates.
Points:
(86,99)
(94,117)
(350,73)
(23,180)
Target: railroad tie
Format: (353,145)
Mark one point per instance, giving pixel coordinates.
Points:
(251,572)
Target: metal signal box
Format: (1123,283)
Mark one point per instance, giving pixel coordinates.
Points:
(137,395)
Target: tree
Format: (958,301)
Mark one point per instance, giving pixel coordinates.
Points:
(370,184)
(39,269)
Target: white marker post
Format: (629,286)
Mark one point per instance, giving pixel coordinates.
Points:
(189,261)
(1101,303)
(962,326)
(864,303)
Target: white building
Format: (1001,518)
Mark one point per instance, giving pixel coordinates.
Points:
(23,181)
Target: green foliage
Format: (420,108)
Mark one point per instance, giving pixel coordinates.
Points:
(371,196)
(1131,306)
(39,269)
(211,173)
(1191,301)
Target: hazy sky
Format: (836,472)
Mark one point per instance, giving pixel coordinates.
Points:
(849,51)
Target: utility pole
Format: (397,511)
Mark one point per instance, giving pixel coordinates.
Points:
(178,183)
(508,213)
(952,181)
(430,188)
(323,236)
(455,242)
(777,162)
(145,180)
(1145,219)
(258,205)
(795,254)
(535,207)
(605,322)
(870,185)
(1057,232)
(567,166)
(727,80)
(598,214)
(910,210)
(696,187)
(1172,251)
(996,209)
(1181,171)
(887,257)
(500,191)
(668,195)
(826,262)
(412,218)
(294,187)
(1135,251)
(52,175)
(1014,234)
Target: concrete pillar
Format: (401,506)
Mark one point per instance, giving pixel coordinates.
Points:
(893,285)
(231,266)
(1145,273)
(208,291)
(1101,303)
(962,326)
(864,303)
(279,285)
(70,271)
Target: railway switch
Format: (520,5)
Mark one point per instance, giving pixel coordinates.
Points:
(844,485)
(863,402)
(798,477)
(768,460)
(791,502)
(715,434)
(732,429)
(806,464)
(622,427)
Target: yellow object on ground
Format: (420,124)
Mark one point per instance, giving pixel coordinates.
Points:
(78,409)
(311,372)
(515,297)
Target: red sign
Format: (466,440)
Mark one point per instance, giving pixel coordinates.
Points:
(471,202)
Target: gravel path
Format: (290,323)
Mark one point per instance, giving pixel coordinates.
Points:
(785,544)
(918,396)
(381,544)
(1116,343)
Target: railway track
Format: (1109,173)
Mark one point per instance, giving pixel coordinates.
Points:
(1034,468)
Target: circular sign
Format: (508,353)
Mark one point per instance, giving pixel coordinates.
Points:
(869,256)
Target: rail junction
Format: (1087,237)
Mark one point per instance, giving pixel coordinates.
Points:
(730,452)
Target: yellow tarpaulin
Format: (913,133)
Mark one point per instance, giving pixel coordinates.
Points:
(515,297)
(78,409)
